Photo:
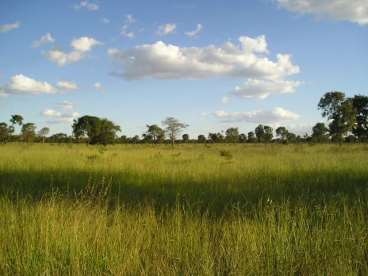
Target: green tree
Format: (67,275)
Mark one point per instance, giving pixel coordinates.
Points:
(282,132)
(16,119)
(5,132)
(360,104)
(251,137)
(98,131)
(264,134)
(201,138)
(320,133)
(232,135)
(173,128)
(242,138)
(340,111)
(216,137)
(185,138)
(28,132)
(157,133)
(43,132)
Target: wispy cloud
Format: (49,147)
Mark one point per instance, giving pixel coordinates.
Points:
(9,27)
(195,32)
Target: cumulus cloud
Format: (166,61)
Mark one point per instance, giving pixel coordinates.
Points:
(45,39)
(55,117)
(275,116)
(81,47)
(9,27)
(195,32)
(21,84)
(159,60)
(84,44)
(261,89)
(348,10)
(166,29)
(67,85)
(90,6)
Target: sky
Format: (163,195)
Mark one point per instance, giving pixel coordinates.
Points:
(212,64)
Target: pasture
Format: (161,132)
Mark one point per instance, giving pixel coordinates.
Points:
(217,209)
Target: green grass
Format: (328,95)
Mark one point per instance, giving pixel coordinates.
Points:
(194,210)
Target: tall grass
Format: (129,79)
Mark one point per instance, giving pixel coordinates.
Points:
(141,209)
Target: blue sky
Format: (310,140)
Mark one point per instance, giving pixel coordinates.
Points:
(212,64)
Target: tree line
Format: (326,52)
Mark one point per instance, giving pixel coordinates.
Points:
(347,122)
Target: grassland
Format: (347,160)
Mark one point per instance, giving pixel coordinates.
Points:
(194,210)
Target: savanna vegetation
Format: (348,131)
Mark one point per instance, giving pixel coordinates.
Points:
(210,209)
(228,203)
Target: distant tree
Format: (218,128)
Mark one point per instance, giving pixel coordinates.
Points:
(147,138)
(216,137)
(360,104)
(43,132)
(282,133)
(16,119)
(268,134)
(59,138)
(123,139)
(251,137)
(264,134)
(28,132)
(202,138)
(185,138)
(259,131)
(5,132)
(320,133)
(157,133)
(292,138)
(134,140)
(98,131)
(232,135)
(173,128)
(340,111)
(351,139)
(242,138)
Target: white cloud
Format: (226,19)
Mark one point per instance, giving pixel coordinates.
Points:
(348,10)
(80,45)
(55,117)
(90,6)
(166,29)
(98,86)
(45,39)
(275,116)
(166,61)
(61,58)
(67,85)
(261,89)
(129,20)
(195,32)
(20,84)
(84,43)
(9,27)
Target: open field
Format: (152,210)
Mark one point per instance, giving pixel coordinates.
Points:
(195,210)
